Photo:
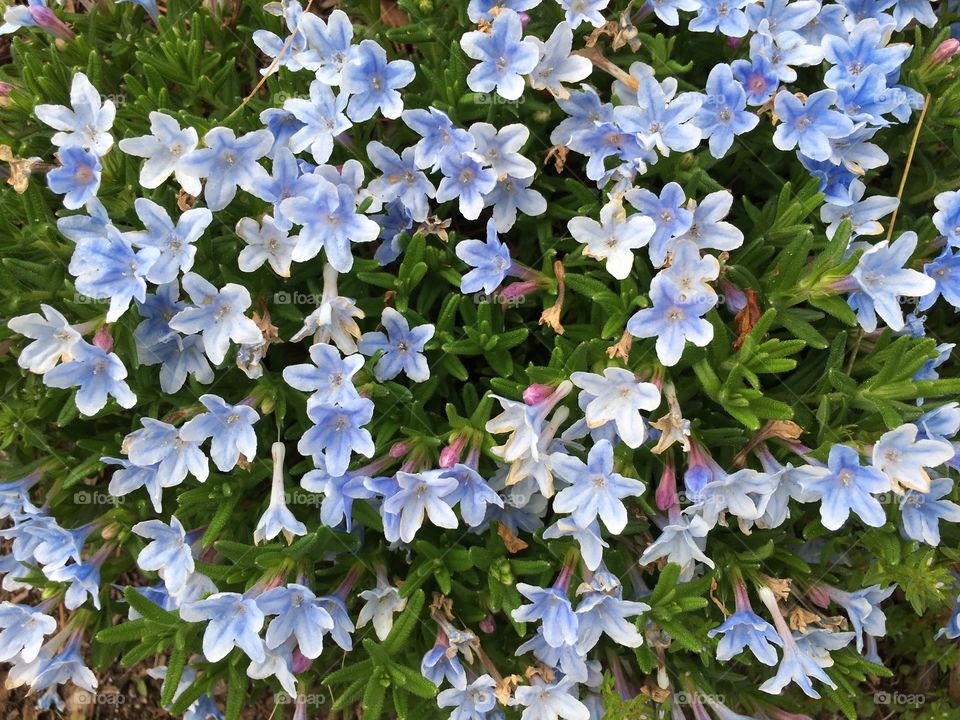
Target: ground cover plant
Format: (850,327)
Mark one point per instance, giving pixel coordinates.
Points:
(525,359)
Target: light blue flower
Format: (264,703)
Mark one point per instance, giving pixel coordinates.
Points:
(556,65)
(328,214)
(617,396)
(169,552)
(277,518)
(614,237)
(811,124)
(945,272)
(782,15)
(726,16)
(473,702)
(217,315)
(323,120)
(505,57)
(229,426)
(329,45)
(441,663)
(282,124)
(466,178)
(402,348)
(53,339)
(746,629)
(723,114)
(24,628)
(921,513)
(490,261)
(382,602)
(797,665)
(473,494)
(86,125)
(903,457)
(372,82)
(97,375)
(337,432)
(552,608)
(603,611)
(266,242)
(329,377)
(283,52)
(947,217)
(163,150)
(77,178)
(757,77)
(669,213)
(662,118)
(681,541)
(674,320)
(299,614)
(401,181)
(844,486)
(865,98)
(339,493)
(882,279)
(428,494)
(864,47)
(588,538)
(565,659)
(584,11)
(863,214)
(174,242)
(511,195)
(234,621)
(438,137)
(159,443)
(666,10)
(478,10)
(229,162)
(130,477)
(84,579)
(555,700)
(863,609)
(108,267)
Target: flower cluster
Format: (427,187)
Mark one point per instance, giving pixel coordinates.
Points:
(723,397)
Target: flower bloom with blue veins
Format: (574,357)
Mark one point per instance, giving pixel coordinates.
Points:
(882,279)
(671,218)
(947,217)
(726,15)
(168,552)
(372,82)
(584,11)
(229,162)
(266,242)
(903,457)
(329,377)
(603,611)
(229,426)
(86,125)
(402,180)
(108,267)
(338,432)
(618,396)
(552,608)
(614,237)
(161,444)
(53,339)
(471,703)
(663,117)
(233,621)
(217,316)
(427,494)
(595,490)
(844,486)
(323,120)
(402,348)
(299,614)
(505,57)
(945,272)
(723,114)
(163,149)
(466,178)
(811,124)
(97,374)
(24,628)
(438,137)
(330,221)
(490,261)
(501,149)
(674,320)
(173,242)
(329,45)
(542,701)
(77,178)
(757,77)
(921,513)
(557,65)
(865,47)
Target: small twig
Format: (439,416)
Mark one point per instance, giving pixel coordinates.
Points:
(271,68)
(906,168)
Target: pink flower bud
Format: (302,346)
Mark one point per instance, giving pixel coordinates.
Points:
(47,19)
(734,42)
(301,663)
(945,51)
(103,339)
(667,489)
(450,455)
(398,450)
(536,394)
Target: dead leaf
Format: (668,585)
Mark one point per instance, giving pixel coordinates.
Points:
(747,318)
(511,541)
